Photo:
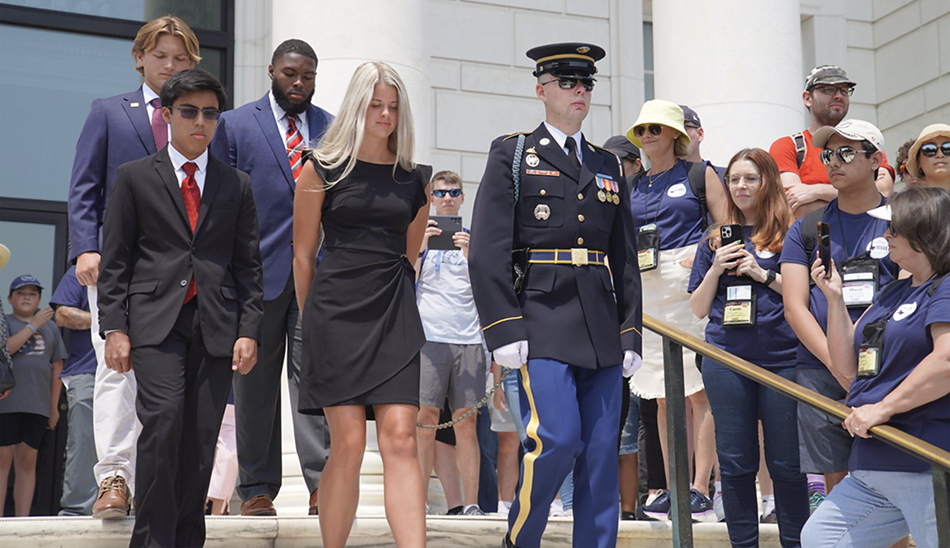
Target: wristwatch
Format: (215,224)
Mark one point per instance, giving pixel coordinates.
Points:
(769,277)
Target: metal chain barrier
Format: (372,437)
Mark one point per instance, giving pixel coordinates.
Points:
(481,403)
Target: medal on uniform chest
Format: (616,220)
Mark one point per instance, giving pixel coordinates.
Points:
(601,195)
(532,160)
(542,212)
(616,199)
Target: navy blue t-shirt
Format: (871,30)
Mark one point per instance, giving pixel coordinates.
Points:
(851,236)
(771,341)
(82,357)
(668,201)
(907,341)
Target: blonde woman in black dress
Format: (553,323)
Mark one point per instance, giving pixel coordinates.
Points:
(361,328)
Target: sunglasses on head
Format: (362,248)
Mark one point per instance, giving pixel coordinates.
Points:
(655,130)
(189,113)
(846,154)
(930,149)
(571,83)
(453,192)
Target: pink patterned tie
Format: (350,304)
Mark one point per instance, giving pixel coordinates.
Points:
(159,127)
(294,148)
(192,197)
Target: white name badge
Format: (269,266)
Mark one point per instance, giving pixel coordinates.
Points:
(878,249)
(738,292)
(904,310)
(677,190)
(858,288)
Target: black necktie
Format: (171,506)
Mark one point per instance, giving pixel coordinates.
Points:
(571,146)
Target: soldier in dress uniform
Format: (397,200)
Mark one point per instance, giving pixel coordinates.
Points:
(554,209)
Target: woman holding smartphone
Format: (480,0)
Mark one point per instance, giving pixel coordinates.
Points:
(738,287)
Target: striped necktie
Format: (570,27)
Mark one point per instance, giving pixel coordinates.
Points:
(294,145)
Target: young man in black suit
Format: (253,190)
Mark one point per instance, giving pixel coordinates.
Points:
(180,299)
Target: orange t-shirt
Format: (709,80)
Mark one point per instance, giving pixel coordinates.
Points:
(812,171)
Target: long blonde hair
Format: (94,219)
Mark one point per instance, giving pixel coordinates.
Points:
(344,137)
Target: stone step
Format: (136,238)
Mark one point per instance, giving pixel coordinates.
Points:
(368,531)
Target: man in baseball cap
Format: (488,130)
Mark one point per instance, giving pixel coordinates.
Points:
(827,96)
(851,153)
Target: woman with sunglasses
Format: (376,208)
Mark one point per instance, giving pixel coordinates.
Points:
(738,288)
(929,157)
(361,328)
(671,222)
(897,356)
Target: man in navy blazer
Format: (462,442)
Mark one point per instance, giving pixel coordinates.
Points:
(264,139)
(118,130)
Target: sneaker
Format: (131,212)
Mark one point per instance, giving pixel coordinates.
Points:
(815,498)
(769,518)
(718,507)
(472,510)
(701,507)
(557,508)
(657,509)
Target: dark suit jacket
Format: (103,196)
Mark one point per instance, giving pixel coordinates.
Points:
(248,138)
(115,132)
(566,313)
(149,255)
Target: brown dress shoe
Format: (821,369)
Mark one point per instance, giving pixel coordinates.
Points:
(258,505)
(314,504)
(113,499)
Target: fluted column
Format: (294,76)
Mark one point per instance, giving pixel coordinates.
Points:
(346,34)
(740,68)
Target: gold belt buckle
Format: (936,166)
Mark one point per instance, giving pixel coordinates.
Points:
(579,256)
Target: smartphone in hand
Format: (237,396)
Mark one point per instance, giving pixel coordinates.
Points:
(450,225)
(729,234)
(824,247)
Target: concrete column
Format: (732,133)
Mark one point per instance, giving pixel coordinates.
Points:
(740,69)
(346,34)
(625,53)
(253,47)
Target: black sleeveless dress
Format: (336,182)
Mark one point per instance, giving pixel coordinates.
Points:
(361,328)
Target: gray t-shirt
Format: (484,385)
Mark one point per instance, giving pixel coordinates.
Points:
(445,300)
(32,369)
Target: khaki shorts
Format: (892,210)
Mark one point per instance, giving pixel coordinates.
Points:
(456,371)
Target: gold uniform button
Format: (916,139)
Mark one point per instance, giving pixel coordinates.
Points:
(580,196)
(580,218)
(543,192)
(580,241)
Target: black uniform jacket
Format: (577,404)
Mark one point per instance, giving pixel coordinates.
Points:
(567,313)
(149,255)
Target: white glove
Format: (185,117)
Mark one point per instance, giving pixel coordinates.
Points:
(631,362)
(512,355)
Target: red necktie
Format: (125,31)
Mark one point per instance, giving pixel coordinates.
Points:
(294,148)
(192,197)
(159,127)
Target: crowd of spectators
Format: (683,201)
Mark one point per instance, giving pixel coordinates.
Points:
(726,253)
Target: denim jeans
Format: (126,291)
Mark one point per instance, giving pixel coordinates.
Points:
(631,427)
(511,396)
(737,405)
(875,508)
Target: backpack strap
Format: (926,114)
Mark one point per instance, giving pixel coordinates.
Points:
(696,172)
(810,230)
(800,148)
(936,283)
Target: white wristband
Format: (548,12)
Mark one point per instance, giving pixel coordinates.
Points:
(33,329)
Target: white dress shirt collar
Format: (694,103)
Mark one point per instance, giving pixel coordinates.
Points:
(280,115)
(560,137)
(178,160)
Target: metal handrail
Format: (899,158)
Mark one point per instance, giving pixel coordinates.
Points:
(674,339)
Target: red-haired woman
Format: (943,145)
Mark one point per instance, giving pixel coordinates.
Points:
(738,287)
